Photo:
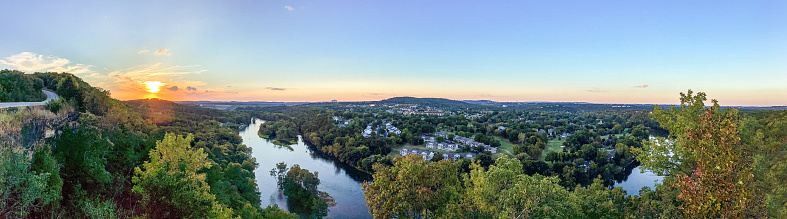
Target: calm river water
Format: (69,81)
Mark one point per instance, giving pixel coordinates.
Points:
(340,181)
(637,180)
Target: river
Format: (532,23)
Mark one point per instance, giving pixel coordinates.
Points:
(636,180)
(341,181)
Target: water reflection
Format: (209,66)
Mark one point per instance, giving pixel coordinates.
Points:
(341,181)
(636,180)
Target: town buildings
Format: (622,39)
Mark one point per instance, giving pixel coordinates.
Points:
(428,155)
(455,144)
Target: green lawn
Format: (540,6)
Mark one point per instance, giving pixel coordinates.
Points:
(616,136)
(505,146)
(552,145)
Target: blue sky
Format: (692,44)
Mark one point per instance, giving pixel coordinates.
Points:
(290,50)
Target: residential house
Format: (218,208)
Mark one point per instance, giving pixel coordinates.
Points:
(611,154)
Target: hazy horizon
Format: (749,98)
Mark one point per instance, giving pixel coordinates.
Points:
(310,51)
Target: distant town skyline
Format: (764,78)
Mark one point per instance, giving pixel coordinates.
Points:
(311,51)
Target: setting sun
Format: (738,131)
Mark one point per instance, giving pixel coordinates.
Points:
(153,86)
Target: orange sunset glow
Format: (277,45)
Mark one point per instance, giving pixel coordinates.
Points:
(153,86)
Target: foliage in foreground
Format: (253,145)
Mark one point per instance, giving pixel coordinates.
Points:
(416,188)
(712,166)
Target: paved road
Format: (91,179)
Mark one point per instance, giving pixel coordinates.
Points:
(49,97)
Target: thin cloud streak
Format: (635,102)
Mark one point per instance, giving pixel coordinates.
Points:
(595,90)
(276,88)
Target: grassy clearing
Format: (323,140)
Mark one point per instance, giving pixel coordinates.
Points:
(552,145)
(607,136)
(505,146)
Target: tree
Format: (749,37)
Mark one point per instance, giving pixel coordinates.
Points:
(669,156)
(83,155)
(279,172)
(721,183)
(485,159)
(706,155)
(597,201)
(23,191)
(170,184)
(412,188)
(437,157)
(503,191)
(300,187)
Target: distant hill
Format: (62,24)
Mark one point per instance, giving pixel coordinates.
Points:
(433,102)
(482,102)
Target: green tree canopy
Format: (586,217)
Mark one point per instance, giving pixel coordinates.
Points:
(170,184)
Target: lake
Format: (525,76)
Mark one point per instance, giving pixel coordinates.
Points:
(341,181)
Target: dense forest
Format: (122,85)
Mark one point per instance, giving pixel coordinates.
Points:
(113,159)
(16,86)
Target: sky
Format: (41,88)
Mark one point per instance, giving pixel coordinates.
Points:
(303,50)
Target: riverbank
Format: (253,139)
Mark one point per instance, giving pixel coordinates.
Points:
(340,181)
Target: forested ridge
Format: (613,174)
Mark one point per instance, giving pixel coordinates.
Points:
(113,159)
(16,86)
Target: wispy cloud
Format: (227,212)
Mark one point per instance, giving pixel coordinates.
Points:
(641,86)
(162,51)
(31,62)
(595,90)
(143,51)
(190,88)
(173,88)
(276,88)
(289,8)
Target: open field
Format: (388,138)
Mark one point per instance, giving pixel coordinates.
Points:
(505,146)
(607,136)
(552,145)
